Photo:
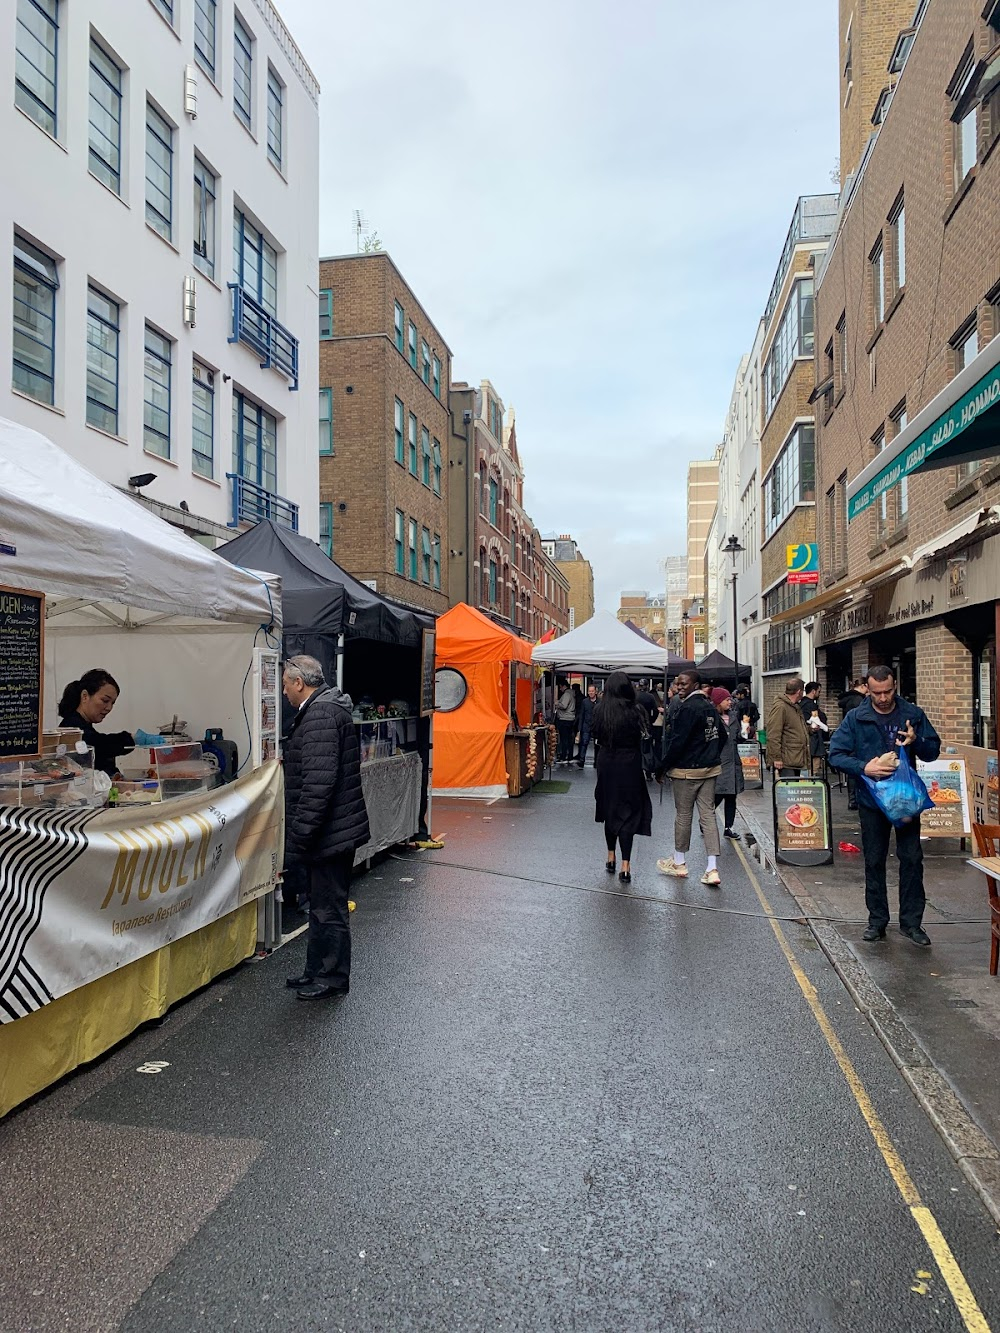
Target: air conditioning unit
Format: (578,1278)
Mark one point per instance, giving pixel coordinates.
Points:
(190,314)
(191,92)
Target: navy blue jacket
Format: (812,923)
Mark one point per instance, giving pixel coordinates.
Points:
(861,737)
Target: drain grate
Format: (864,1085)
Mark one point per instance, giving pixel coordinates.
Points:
(962,1004)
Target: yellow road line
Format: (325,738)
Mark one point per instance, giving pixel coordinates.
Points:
(961,1293)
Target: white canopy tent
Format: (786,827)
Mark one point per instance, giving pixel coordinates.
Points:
(600,645)
(174,623)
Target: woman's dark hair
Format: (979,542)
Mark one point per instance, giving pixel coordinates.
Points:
(91,682)
(617,723)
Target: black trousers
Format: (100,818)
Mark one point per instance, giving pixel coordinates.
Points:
(581,754)
(328,951)
(875,835)
(729,811)
(566,731)
(624,840)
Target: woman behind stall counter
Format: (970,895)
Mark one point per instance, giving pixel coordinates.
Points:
(89,700)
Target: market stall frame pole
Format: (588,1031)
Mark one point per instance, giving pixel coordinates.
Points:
(733,548)
(340,662)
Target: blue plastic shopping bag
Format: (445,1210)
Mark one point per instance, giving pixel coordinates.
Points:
(902,797)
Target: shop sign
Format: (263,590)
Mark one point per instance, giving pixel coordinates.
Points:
(916,609)
(947,786)
(854,620)
(22,631)
(428,679)
(956,579)
(802,832)
(812,578)
(980,767)
(802,558)
(983,395)
(992,790)
(92,890)
(749,753)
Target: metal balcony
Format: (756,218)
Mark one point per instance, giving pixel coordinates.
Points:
(261,332)
(251,503)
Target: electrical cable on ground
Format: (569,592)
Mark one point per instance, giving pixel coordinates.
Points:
(801,918)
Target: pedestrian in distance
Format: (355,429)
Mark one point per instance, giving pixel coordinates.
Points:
(693,760)
(325,820)
(851,698)
(621,797)
(865,742)
(587,708)
(816,722)
(745,708)
(648,704)
(787,733)
(729,783)
(565,721)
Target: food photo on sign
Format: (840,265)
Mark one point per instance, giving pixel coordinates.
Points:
(800,816)
(947,786)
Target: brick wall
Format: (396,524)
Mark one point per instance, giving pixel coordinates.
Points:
(944,681)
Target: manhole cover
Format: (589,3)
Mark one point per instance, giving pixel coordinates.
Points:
(962,1004)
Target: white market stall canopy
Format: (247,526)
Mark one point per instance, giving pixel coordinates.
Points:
(600,644)
(77,538)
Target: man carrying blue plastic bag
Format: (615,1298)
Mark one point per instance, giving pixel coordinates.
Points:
(867,743)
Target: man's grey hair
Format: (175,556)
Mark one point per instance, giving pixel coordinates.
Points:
(306,669)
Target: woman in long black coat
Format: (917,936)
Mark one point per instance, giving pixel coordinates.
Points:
(622,797)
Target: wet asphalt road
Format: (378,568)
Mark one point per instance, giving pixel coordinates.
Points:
(546,1104)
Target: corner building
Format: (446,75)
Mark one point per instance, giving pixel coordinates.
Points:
(908,307)
(160,238)
(384,374)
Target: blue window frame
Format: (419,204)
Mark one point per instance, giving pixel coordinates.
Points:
(204,35)
(103,332)
(202,420)
(35,286)
(412,445)
(425,556)
(105,152)
(255,263)
(436,562)
(400,533)
(413,549)
(425,456)
(275,116)
(326,421)
(437,467)
(166,8)
(398,432)
(204,218)
(255,443)
(326,527)
(400,319)
(156,402)
(159,173)
(326,314)
(412,340)
(242,74)
(436,378)
(36,61)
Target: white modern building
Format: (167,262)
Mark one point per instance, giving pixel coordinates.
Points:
(159,240)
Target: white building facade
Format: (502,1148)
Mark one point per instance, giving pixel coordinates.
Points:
(159,258)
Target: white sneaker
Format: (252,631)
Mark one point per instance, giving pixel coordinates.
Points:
(668,866)
(711,878)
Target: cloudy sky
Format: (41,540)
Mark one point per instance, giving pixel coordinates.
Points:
(590,200)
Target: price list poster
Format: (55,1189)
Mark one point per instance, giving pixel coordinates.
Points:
(22,632)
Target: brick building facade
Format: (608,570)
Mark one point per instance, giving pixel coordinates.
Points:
(579,575)
(908,297)
(385,372)
(496,560)
(646,611)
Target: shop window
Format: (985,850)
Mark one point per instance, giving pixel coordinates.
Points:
(36,45)
(204,35)
(400,542)
(876,265)
(399,451)
(413,548)
(412,446)
(897,242)
(242,73)
(326,421)
(326,528)
(105,117)
(103,331)
(202,420)
(35,287)
(964,116)
(425,456)
(326,314)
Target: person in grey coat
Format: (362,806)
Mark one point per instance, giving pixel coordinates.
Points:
(326,820)
(729,783)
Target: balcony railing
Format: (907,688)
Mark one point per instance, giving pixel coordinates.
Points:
(272,342)
(251,503)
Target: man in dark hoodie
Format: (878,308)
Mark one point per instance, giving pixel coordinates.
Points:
(692,758)
(325,820)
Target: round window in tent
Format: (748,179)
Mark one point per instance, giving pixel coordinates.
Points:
(450,689)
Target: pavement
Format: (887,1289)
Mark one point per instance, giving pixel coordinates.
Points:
(550,1102)
(937,1011)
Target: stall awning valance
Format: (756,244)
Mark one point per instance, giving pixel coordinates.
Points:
(957,426)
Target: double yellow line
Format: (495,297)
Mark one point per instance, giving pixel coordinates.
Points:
(961,1293)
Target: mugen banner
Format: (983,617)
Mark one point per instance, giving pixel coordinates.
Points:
(83,892)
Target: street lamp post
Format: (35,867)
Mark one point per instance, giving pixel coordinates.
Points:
(733,548)
(684,635)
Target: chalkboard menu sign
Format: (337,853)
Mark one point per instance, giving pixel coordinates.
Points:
(427,650)
(22,630)
(802,833)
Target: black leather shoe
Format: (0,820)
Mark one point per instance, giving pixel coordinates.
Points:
(625,876)
(874,933)
(317,991)
(917,936)
(852,805)
(296,983)
(728,833)
(610,867)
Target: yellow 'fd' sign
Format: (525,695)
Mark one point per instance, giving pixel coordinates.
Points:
(803,558)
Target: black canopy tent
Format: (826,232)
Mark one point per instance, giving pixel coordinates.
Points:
(717,667)
(367,643)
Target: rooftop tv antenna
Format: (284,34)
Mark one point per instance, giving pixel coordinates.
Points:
(360,229)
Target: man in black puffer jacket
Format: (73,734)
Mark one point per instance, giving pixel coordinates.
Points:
(325,820)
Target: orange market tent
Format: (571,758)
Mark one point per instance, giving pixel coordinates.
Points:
(468,742)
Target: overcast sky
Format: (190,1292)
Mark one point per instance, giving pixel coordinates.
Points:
(590,201)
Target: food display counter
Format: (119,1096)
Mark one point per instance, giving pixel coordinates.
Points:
(526,755)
